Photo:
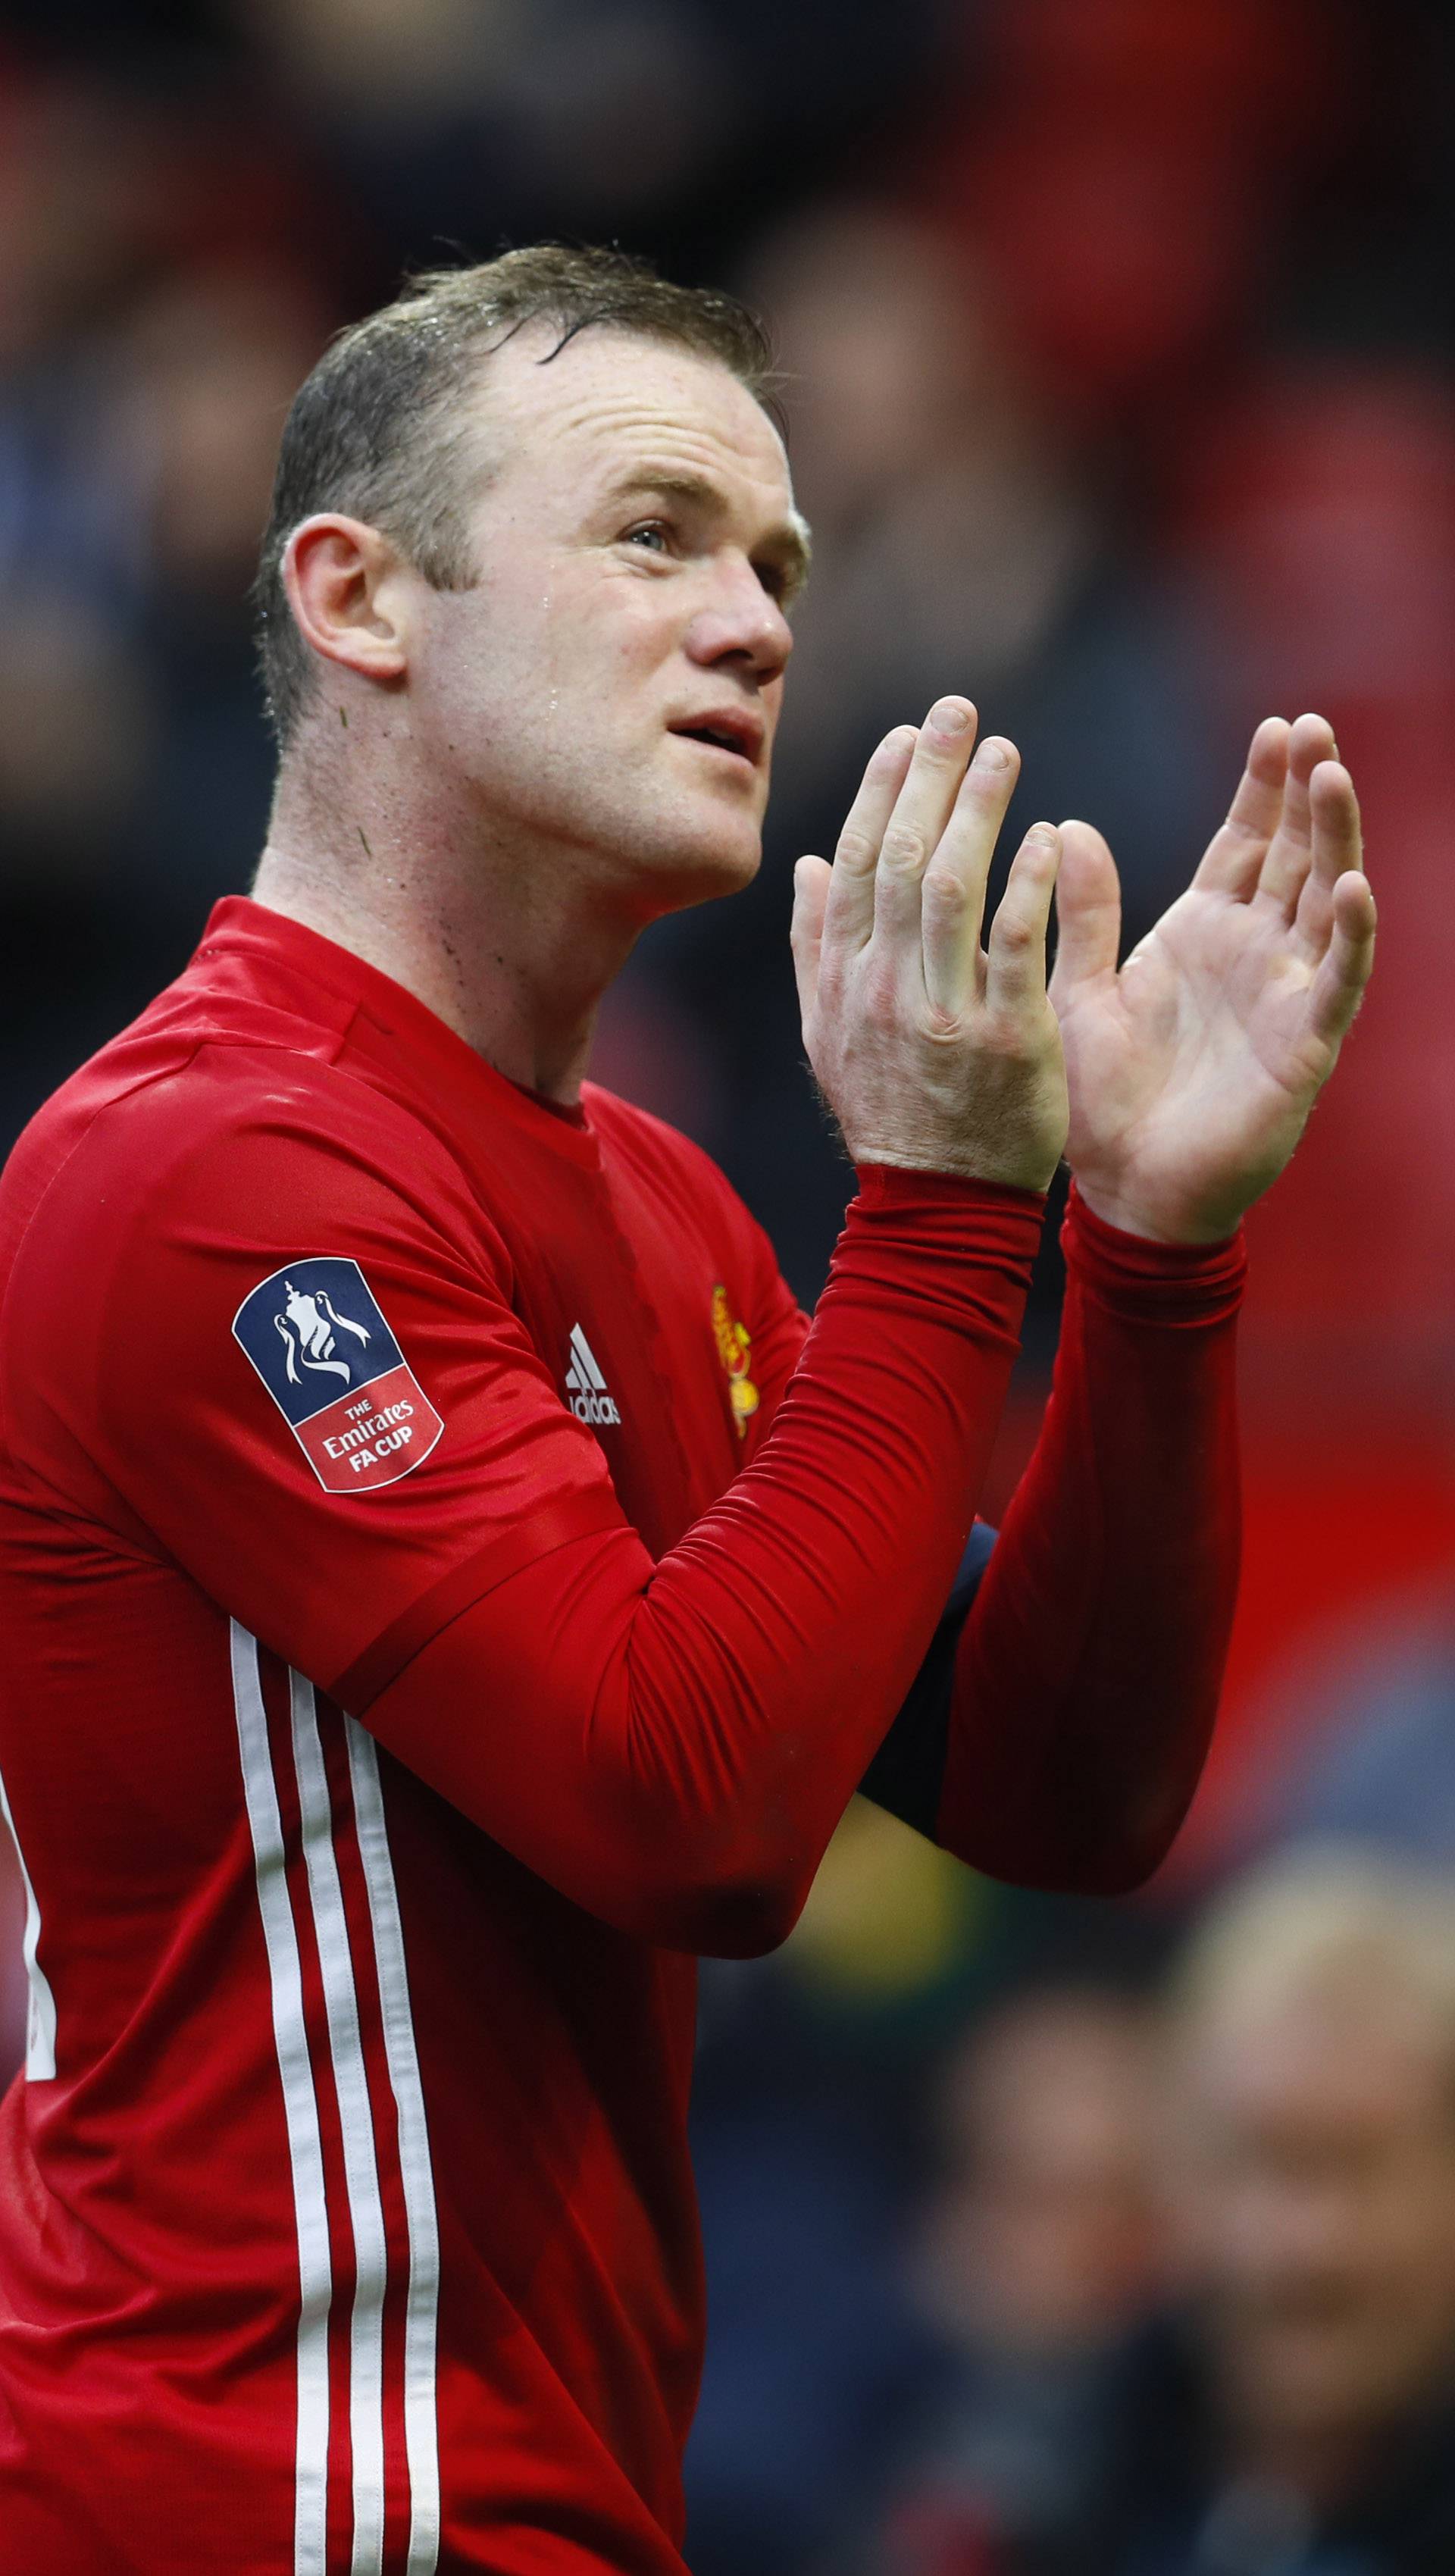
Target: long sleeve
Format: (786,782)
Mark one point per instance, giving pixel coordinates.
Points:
(672,1745)
(1087,1675)
(669,1740)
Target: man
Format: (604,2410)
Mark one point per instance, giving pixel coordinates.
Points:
(1299,2418)
(445,1588)
(1037,2256)
(1291,2413)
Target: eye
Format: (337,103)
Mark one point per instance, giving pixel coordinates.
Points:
(652,533)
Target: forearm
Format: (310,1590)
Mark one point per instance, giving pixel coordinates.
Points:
(673,1746)
(1088,1672)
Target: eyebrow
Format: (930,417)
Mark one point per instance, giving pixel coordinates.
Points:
(790,544)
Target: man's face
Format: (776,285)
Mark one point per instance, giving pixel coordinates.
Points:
(636,544)
(1319,2216)
(1043,2233)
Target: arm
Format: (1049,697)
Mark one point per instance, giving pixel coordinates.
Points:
(1087,1678)
(1057,1729)
(670,1743)
(689,1734)
(1060,1740)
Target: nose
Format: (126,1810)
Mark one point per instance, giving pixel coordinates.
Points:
(740,622)
(1288,2233)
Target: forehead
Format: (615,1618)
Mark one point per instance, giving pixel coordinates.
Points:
(1334,2069)
(613,401)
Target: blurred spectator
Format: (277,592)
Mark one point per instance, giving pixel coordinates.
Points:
(1304,2414)
(1040,2242)
(1294,2415)
(1038,2253)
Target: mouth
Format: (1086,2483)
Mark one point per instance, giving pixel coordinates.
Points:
(740,735)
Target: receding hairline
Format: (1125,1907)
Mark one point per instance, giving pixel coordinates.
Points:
(387,427)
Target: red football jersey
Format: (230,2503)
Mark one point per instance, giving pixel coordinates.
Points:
(345,2214)
(347,2219)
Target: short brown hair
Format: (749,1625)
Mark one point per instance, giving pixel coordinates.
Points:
(370,431)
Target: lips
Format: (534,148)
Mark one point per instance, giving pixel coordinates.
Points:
(725,729)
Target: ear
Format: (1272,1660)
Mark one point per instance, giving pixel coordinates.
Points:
(347,587)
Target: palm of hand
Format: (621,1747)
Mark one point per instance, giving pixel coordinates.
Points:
(1193,1069)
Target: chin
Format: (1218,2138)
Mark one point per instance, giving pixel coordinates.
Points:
(696,865)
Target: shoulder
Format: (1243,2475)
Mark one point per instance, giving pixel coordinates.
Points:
(143,1175)
(224,1108)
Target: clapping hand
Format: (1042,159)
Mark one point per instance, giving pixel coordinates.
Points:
(932,1050)
(1192,1068)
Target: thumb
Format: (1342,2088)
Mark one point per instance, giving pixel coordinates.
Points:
(811,879)
(1088,910)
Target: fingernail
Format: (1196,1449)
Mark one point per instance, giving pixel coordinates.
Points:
(992,755)
(949,715)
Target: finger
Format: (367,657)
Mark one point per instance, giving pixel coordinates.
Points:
(1337,846)
(849,912)
(921,811)
(953,891)
(811,881)
(1088,910)
(1339,984)
(1234,855)
(1016,951)
(1286,861)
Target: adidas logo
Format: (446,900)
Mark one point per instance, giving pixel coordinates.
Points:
(585,1386)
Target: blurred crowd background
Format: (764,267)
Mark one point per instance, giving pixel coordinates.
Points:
(1044,2239)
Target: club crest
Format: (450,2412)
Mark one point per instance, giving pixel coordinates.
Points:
(318,1340)
(734,1349)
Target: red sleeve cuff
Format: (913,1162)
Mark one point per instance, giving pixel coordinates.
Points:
(1154,1283)
(896,1186)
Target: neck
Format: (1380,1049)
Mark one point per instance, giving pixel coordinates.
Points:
(1331,2460)
(505,946)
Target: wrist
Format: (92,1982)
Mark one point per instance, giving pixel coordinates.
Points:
(1148,1279)
(931,1241)
(1175,1228)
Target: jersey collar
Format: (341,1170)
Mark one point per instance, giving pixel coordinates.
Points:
(397,1022)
